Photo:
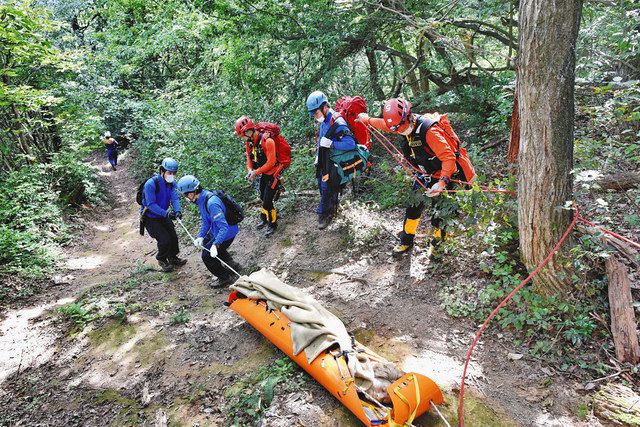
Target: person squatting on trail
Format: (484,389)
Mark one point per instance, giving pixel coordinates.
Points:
(331,134)
(432,147)
(268,155)
(215,235)
(158,193)
(112,149)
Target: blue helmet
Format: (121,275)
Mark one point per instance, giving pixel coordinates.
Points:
(315,101)
(169,164)
(188,184)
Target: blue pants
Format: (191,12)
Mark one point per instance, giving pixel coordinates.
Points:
(112,156)
(328,198)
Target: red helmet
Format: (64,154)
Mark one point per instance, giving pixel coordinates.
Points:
(395,113)
(243,124)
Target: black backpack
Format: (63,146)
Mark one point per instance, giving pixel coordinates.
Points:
(234,214)
(140,192)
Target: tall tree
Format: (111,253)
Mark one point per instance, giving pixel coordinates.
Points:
(546,78)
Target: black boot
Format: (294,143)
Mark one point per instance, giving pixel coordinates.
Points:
(177,262)
(324,220)
(262,225)
(165,266)
(270,230)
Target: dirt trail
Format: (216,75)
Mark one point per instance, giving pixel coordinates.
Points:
(181,356)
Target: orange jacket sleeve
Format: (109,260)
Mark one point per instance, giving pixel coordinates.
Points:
(248,150)
(377,123)
(441,148)
(269,148)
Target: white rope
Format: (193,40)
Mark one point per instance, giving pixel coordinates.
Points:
(444,420)
(194,242)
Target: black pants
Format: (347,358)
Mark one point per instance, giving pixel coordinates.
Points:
(442,209)
(213,264)
(268,192)
(164,232)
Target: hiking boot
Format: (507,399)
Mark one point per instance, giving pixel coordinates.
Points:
(270,230)
(223,282)
(177,262)
(165,266)
(324,221)
(262,225)
(434,253)
(400,249)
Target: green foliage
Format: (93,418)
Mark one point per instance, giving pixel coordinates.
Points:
(249,398)
(550,327)
(180,317)
(81,315)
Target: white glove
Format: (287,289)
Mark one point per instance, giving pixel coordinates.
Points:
(436,189)
(199,243)
(325,142)
(251,175)
(362,118)
(213,251)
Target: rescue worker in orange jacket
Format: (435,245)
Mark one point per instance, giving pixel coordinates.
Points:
(433,149)
(262,163)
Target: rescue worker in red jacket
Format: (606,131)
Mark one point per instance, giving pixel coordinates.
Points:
(262,163)
(433,149)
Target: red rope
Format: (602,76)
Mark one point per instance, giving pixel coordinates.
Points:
(511,294)
(385,142)
(604,230)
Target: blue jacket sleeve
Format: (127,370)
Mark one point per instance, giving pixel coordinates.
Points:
(217,218)
(175,200)
(205,225)
(150,198)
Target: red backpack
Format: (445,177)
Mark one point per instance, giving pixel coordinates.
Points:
(283,149)
(349,107)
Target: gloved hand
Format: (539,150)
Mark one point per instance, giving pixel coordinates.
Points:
(363,118)
(251,175)
(199,243)
(213,251)
(172,215)
(436,189)
(179,214)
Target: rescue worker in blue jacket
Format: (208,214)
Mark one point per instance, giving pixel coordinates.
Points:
(333,132)
(158,193)
(215,235)
(112,149)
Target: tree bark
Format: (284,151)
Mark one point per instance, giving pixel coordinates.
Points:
(374,73)
(620,182)
(546,77)
(623,321)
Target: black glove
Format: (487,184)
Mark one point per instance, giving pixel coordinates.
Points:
(173,215)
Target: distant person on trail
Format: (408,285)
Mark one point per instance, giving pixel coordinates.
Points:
(215,235)
(432,147)
(268,155)
(158,193)
(332,134)
(112,149)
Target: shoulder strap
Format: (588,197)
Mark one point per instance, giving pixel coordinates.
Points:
(157,183)
(206,202)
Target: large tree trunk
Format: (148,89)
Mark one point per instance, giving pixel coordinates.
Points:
(546,77)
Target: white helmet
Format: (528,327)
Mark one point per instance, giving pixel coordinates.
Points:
(107,134)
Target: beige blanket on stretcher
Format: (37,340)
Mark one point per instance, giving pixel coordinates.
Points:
(314,329)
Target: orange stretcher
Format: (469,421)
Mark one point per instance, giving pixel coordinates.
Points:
(411,395)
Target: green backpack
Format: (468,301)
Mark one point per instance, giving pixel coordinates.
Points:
(347,164)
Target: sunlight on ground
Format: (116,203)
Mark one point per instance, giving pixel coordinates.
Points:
(88,262)
(104,228)
(444,370)
(24,343)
